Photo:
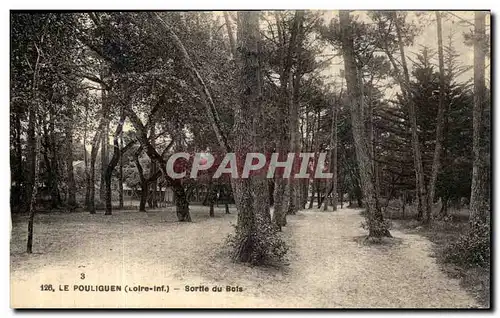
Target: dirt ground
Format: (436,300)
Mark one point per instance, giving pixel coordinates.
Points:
(329,264)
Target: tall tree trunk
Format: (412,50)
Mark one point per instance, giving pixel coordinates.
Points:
(143,181)
(313,191)
(104,160)
(154,184)
(211,196)
(375,218)
(104,143)
(112,164)
(34,134)
(419,169)
(34,190)
(50,161)
(69,164)
(286,54)
(294,145)
(120,174)
(371,135)
(316,182)
(294,88)
(54,154)
(226,196)
(86,160)
(333,160)
(478,199)
(93,158)
(436,165)
(250,193)
(17,171)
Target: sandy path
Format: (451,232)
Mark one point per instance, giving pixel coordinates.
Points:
(329,264)
(336,268)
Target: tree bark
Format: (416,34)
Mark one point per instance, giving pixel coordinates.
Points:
(117,153)
(375,219)
(253,230)
(143,181)
(436,165)
(154,185)
(50,166)
(86,160)
(315,137)
(34,190)
(211,193)
(91,184)
(419,170)
(17,171)
(478,199)
(104,160)
(120,174)
(182,205)
(34,133)
(333,160)
(294,89)
(71,201)
(280,201)
(54,163)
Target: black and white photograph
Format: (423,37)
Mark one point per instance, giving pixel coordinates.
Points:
(333,159)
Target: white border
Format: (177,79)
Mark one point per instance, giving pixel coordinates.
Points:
(5,311)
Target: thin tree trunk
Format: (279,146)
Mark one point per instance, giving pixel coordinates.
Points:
(294,88)
(154,184)
(34,191)
(34,133)
(375,218)
(112,164)
(69,166)
(316,183)
(86,160)
(333,160)
(211,196)
(54,171)
(419,170)
(436,165)
(91,185)
(143,181)
(120,174)
(294,145)
(313,189)
(104,161)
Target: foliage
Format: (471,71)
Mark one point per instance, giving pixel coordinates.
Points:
(472,248)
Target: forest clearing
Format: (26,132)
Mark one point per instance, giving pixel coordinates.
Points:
(293,158)
(323,270)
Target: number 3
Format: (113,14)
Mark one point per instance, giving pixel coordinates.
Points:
(82,276)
